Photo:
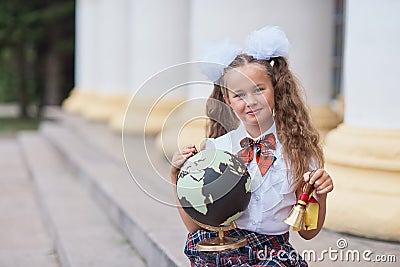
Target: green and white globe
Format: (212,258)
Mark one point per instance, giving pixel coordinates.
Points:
(214,187)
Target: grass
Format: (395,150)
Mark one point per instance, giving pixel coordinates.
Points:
(12,125)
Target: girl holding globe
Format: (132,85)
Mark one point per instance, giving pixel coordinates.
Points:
(266,114)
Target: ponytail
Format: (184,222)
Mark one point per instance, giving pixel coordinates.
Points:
(300,139)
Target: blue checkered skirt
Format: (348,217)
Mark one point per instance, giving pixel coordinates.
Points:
(261,250)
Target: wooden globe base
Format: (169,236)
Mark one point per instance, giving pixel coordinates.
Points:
(221,242)
(218,244)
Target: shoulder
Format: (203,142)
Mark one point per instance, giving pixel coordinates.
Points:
(228,142)
(223,142)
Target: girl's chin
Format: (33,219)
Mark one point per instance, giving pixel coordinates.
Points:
(258,121)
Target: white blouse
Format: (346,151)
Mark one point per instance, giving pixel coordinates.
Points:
(272,197)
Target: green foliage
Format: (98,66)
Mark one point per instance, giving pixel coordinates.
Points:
(28,31)
(8,77)
(20,20)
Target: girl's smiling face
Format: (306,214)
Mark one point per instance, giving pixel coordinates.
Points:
(251,96)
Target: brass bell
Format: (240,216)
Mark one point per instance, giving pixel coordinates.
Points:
(297,214)
(296,217)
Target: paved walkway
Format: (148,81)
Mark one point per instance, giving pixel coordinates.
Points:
(91,157)
(24,240)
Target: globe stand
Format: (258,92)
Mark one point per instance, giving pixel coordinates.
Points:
(221,242)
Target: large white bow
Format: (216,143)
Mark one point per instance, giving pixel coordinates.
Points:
(265,43)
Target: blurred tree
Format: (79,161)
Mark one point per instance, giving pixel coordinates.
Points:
(37,50)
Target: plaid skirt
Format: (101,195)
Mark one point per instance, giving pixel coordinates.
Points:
(261,250)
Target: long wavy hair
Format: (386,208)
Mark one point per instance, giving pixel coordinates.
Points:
(300,139)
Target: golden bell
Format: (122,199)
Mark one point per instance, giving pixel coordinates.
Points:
(296,217)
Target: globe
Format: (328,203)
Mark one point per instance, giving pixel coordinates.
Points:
(213,187)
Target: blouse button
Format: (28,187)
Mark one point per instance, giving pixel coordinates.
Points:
(254,222)
(258,197)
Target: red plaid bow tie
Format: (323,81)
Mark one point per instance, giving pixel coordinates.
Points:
(264,156)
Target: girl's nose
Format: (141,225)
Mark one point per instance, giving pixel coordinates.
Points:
(251,101)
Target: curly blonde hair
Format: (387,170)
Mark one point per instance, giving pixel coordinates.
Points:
(300,139)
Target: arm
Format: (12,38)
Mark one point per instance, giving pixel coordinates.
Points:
(178,160)
(323,185)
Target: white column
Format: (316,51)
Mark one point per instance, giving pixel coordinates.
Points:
(371,64)
(86,55)
(114,47)
(86,38)
(363,153)
(158,35)
(112,60)
(123,43)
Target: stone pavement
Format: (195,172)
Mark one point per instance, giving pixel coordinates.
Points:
(68,199)
(23,237)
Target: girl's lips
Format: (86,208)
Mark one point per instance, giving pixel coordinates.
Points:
(253,112)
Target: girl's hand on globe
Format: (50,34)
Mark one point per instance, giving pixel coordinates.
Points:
(180,157)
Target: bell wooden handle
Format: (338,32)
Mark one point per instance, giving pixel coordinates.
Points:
(307,190)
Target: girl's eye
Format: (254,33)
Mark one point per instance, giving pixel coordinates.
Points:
(241,95)
(259,90)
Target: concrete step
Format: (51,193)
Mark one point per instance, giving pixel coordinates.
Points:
(24,240)
(82,233)
(137,154)
(142,207)
(96,134)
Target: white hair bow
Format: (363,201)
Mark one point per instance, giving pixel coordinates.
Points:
(265,43)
